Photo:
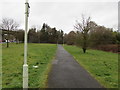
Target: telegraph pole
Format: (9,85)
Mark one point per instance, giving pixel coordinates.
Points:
(25,66)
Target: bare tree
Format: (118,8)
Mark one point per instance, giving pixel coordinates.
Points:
(84,26)
(8,24)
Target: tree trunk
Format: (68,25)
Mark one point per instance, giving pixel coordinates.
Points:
(8,38)
(85,43)
(7,43)
(84,50)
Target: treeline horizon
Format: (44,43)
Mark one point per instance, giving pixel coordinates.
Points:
(44,35)
(96,35)
(99,34)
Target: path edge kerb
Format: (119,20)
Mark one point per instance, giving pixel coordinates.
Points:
(51,66)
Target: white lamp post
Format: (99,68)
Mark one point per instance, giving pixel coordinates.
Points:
(25,66)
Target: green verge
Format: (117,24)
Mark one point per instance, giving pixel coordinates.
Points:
(103,66)
(39,55)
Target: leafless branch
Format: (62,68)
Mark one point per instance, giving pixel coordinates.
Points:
(8,24)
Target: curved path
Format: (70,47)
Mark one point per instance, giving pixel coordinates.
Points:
(67,73)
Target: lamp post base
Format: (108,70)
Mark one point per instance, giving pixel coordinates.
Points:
(25,76)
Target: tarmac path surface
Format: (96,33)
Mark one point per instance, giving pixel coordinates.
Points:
(67,73)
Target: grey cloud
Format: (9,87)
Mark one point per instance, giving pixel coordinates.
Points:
(63,14)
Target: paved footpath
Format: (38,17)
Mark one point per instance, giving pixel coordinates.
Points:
(67,73)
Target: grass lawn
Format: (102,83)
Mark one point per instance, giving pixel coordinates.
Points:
(12,63)
(103,66)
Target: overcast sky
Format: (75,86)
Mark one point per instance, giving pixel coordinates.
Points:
(62,14)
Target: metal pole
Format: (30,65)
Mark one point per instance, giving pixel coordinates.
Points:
(25,66)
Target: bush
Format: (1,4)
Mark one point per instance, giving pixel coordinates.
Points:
(110,48)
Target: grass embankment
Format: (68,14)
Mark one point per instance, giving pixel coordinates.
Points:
(38,54)
(101,65)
